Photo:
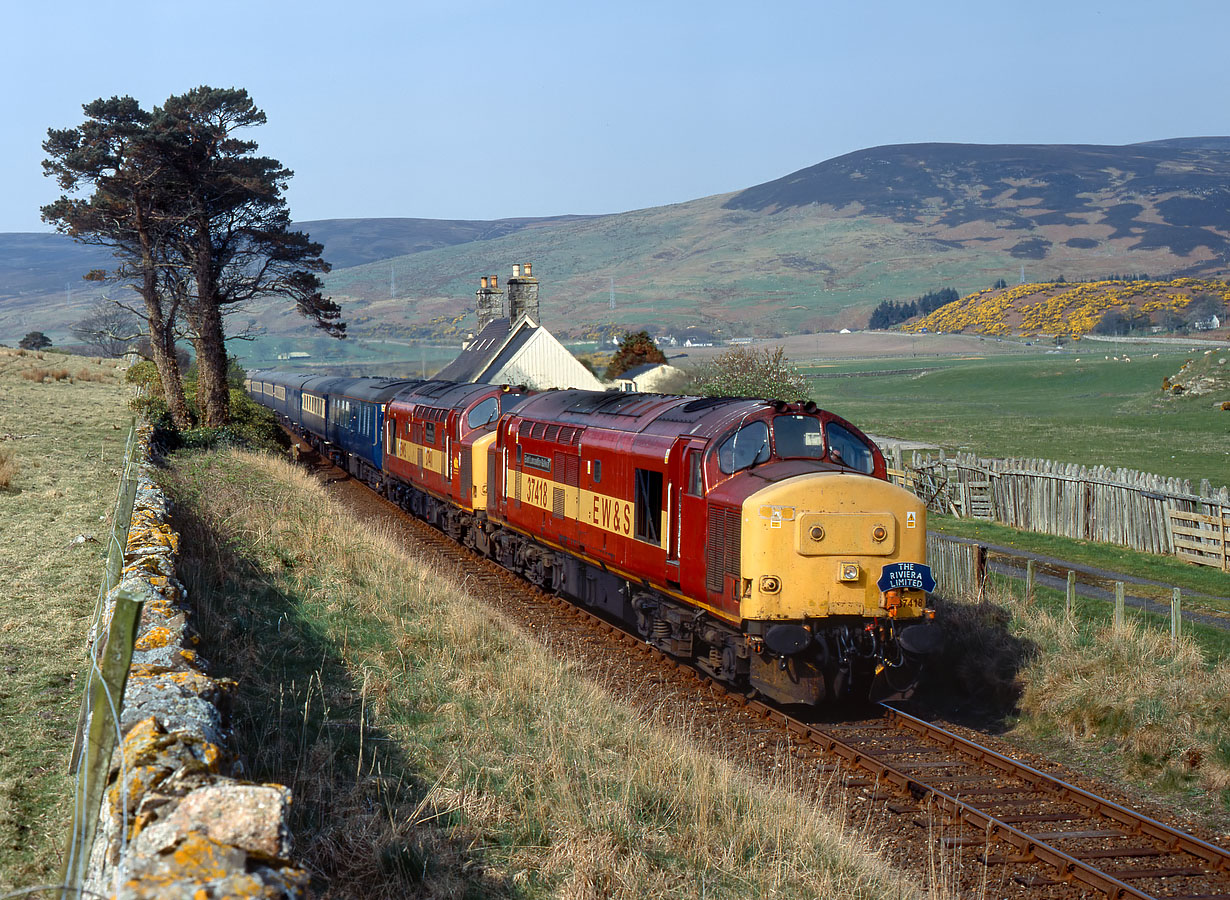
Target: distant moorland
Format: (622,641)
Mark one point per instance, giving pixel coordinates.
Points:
(817,249)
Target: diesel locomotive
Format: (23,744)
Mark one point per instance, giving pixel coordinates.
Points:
(760,540)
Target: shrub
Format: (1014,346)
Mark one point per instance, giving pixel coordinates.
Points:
(143,373)
(746,372)
(634,350)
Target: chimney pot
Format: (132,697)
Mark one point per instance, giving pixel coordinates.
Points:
(495,281)
(482,282)
(527,270)
(516,271)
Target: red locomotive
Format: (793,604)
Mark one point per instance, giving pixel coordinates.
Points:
(760,539)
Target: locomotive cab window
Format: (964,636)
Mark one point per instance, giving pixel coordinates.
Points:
(483,413)
(847,449)
(511,401)
(649,506)
(798,436)
(430,433)
(746,447)
(696,479)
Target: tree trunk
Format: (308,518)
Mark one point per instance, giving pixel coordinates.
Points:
(168,373)
(213,394)
(162,340)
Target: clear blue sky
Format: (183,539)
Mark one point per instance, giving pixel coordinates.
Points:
(491,109)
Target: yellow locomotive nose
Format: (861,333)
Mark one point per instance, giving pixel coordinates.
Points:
(822,540)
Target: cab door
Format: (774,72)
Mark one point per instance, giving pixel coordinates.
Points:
(687,516)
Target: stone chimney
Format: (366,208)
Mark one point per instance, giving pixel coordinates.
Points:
(490,304)
(523,295)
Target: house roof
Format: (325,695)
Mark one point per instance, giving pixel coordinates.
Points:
(477,357)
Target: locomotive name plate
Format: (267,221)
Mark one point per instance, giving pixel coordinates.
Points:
(913,576)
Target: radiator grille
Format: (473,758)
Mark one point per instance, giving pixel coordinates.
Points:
(722,548)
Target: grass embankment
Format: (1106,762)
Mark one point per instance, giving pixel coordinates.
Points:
(61,447)
(435,751)
(1074,407)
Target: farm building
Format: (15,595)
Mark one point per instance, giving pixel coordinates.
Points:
(650,378)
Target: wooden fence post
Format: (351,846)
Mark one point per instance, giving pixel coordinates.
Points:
(1176,618)
(1118,619)
(1069,600)
(106,695)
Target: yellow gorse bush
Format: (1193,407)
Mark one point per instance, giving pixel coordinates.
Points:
(1058,308)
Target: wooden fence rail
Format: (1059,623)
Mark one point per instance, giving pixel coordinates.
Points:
(1115,506)
(958,566)
(1204,540)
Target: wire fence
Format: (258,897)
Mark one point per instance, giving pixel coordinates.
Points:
(117,612)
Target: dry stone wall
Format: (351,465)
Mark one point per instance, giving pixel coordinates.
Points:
(175,821)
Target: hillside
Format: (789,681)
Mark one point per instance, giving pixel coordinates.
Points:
(817,249)
(1071,310)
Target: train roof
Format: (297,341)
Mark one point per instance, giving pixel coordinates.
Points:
(277,376)
(667,414)
(444,394)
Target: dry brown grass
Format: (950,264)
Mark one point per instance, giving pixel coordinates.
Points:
(1162,708)
(488,768)
(44,375)
(8,466)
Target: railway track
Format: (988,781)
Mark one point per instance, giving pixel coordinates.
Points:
(1030,833)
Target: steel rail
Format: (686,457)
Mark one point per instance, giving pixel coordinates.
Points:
(1069,867)
(1177,840)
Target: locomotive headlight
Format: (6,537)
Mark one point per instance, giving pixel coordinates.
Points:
(770,584)
(879,534)
(849,572)
(817,533)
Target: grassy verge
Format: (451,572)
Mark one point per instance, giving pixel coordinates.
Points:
(1123,702)
(1173,571)
(62,439)
(434,751)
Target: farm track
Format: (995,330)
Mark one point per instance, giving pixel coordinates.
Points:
(941,806)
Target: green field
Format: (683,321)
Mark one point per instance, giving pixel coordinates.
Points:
(1076,406)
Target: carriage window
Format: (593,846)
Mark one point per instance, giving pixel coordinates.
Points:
(648,506)
(849,450)
(484,413)
(798,436)
(746,447)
